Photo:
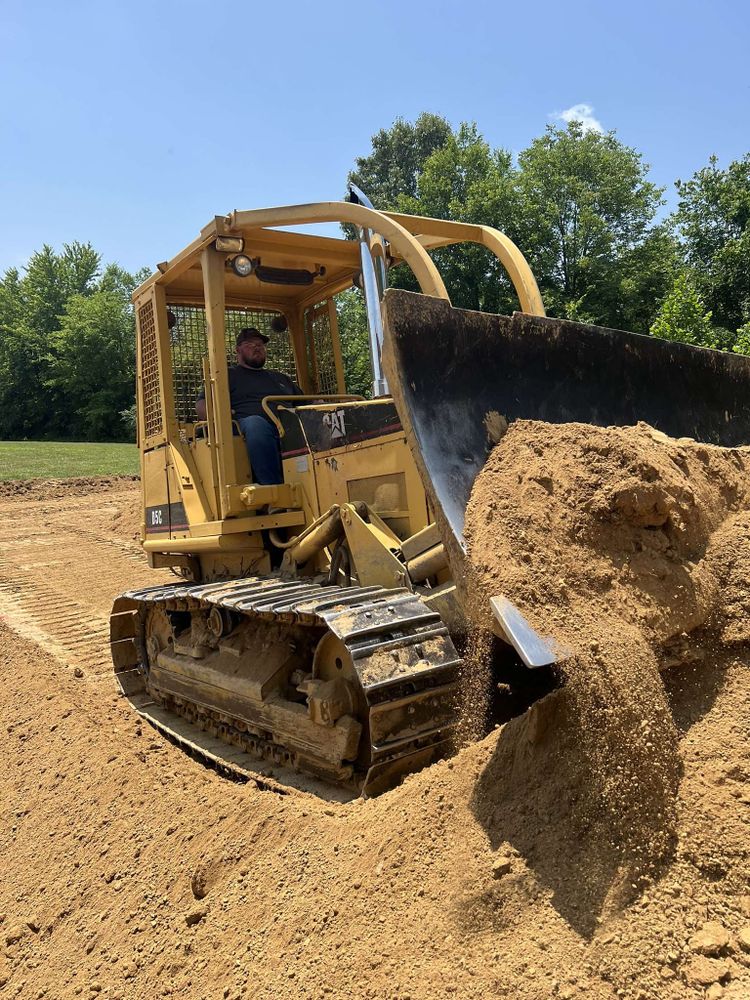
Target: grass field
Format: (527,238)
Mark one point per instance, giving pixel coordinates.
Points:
(61,459)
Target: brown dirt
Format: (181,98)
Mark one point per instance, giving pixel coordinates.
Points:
(130,871)
(619,544)
(56,488)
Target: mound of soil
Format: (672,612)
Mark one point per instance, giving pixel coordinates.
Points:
(57,488)
(571,517)
(513,870)
(126,521)
(627,549)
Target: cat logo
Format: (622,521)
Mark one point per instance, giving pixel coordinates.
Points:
(335,420)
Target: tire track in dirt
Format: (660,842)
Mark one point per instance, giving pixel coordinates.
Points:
(131,873)
(63,559)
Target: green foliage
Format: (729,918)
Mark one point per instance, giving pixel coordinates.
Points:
(587,211)
(467,181)
(392,169)
(714,221)
(355,345)
(641,279)
(578,204)
(67,346)
(59,460)
(129,418)
(742,341)
(92,366)
(682,316)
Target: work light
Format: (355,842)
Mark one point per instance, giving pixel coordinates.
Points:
(243,266)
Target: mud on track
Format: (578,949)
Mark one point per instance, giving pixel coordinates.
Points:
(129,871)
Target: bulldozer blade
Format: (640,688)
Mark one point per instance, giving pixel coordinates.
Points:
(534,650)
(458,378)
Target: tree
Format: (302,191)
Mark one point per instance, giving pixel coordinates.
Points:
(355,344)
(92,367)
(51,278)
(713,218)
(129,417)
(391,171)
(429,169)
(579,206)
(682,316)
(116,279)
(465,180)
(16,368)
(742,341)
(587,210)
(66,346)
(641,278)
(23,348)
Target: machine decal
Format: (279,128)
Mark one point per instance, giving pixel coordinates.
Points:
(166,517)
(335,420)
(326,430)
(310,429)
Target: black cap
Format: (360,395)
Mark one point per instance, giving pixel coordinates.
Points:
(247,332)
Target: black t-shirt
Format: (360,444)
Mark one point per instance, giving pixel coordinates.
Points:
(248,386)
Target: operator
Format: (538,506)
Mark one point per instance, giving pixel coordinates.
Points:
(249,383)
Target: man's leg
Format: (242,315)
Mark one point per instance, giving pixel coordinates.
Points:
(262,443)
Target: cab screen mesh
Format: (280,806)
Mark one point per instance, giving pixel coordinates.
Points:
(149,370)
(189,344)
(319,341)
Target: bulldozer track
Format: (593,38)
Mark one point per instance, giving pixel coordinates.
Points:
(401,650)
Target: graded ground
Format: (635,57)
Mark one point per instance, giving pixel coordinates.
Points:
(130,871)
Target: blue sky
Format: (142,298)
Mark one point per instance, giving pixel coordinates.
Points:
(129,125)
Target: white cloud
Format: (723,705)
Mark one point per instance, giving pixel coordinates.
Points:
(582,113)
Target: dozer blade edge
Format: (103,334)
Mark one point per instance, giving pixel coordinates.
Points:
(535,650)
(453,373)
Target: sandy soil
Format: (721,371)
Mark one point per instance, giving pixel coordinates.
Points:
(613,541)
(130,871)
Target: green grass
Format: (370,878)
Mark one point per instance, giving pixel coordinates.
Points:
(61,459)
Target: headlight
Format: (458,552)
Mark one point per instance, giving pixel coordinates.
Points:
(243,266)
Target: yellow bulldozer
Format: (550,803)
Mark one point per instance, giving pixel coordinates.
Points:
(315,621)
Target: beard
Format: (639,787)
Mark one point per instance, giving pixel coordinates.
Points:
(256,364)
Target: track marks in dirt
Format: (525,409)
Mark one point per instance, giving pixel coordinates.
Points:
(62,562)
(107,831)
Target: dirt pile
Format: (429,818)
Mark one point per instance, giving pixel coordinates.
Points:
(571,518)
(130,871)
(56,488)
(615,542)
(126,521)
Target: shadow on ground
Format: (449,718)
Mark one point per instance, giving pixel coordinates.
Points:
(543,795)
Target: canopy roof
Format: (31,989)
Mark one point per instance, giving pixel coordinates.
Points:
(335,261)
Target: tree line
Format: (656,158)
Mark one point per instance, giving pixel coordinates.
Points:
(578,203)
(580,206)
(67,347)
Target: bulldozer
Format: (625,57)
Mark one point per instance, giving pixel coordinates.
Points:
(315,624)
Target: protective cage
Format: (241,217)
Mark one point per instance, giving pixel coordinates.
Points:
(149,364)
(323,359)
(188,341)
(189,345)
